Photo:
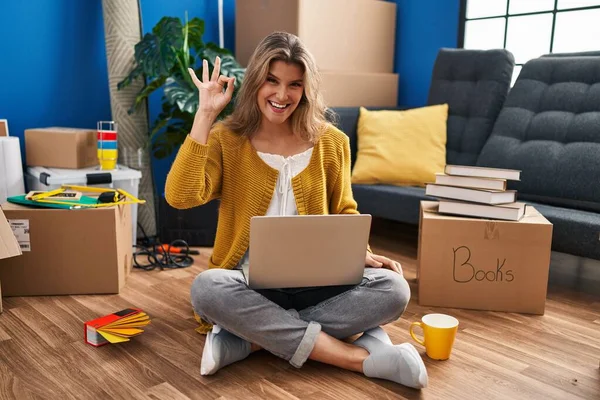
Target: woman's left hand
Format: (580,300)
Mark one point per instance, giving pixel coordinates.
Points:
(376,261)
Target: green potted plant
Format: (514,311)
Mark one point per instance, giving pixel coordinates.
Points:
(163,57)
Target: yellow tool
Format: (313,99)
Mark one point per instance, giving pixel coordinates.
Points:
(105,199)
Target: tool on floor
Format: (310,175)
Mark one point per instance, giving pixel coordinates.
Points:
(167,248)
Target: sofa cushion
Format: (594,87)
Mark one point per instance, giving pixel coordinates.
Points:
(397,203)
(574,231)
(402,148)
(346,120)
(548,129)
(474,83)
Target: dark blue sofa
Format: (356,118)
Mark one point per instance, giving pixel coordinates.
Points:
(547,126)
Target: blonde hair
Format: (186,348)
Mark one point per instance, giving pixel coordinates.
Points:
(308,119)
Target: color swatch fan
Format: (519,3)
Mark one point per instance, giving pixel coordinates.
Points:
(115,328)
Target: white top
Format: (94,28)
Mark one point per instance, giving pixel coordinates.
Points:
(283,201)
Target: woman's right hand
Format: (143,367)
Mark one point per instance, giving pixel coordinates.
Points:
(212,96)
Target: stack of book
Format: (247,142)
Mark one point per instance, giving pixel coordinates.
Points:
(477,192)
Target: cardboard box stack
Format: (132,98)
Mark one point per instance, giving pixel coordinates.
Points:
(57,251)
(477,192)
(353,42)
(57,156)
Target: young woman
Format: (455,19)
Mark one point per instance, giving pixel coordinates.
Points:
(277,155)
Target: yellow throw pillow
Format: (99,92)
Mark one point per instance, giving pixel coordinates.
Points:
(403,148)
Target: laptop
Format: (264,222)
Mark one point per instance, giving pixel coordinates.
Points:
(307,250)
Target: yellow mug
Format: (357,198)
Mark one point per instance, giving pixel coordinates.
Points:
(439,331)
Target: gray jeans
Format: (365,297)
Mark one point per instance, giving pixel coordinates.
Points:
(287,322)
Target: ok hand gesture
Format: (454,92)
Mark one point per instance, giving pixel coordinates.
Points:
(213,97)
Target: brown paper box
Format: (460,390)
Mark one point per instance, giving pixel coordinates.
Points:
(68,251)
(61,148)
(3,127)
(483,264)
(9,247)
(349,89)
(356,35)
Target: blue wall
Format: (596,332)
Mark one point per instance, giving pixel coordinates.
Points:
(53,67)
(423,27)
(54,62)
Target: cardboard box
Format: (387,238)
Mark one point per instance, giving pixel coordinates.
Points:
(348,89)
(3,128)
(348,35)
(61,147)
(483,264)
(68,251)
(9,247)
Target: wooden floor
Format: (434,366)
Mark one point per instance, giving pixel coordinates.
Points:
(496,355)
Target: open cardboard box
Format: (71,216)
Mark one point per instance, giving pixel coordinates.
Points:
(66,252)
(9,247)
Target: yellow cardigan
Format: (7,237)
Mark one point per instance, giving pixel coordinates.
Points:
(228,167)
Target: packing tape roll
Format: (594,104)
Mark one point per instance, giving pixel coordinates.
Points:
(11,168)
